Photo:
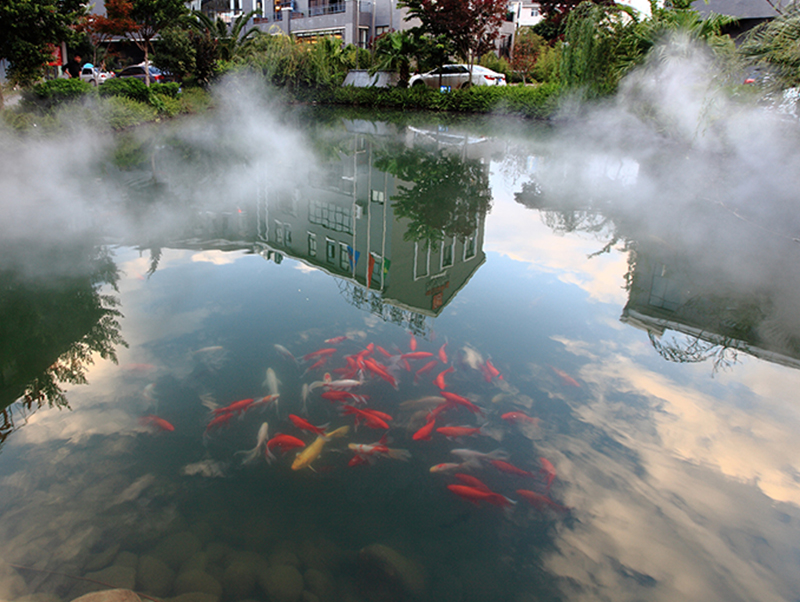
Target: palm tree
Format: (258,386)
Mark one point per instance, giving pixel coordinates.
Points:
(229,41)
(393,52)
(776,45)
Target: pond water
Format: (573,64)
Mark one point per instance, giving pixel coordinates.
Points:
(609,313)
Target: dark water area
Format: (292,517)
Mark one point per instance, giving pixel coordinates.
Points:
(616,322)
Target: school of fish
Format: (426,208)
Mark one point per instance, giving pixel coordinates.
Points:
(349,390)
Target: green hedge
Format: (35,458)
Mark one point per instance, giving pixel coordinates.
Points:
(527,101)
(57,91)
(128,87)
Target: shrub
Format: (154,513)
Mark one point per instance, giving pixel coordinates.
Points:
(120,112)
(129,87)
(55,91)
(171,89)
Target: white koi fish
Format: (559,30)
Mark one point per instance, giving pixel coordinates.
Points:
(470,456)
(304,391)
(345,383)
(261,441)
(271,383)
(285,353)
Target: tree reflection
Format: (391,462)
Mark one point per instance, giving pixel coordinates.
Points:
(53,327)
(448,195)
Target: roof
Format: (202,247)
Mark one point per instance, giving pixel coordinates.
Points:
(741,9)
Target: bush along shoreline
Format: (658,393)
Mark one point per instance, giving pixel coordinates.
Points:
(119,104)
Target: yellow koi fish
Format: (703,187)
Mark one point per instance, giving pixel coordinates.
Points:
(312,451)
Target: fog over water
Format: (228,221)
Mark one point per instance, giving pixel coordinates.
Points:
(681,478)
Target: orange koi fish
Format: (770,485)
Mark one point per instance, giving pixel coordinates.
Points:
(337,340)
(475,496)
(449,467)
(305,425)
(453,432)
(425,433)
(517,417)
(549,471)
(566,377)
(540,501)
(318,364)
(462,401)
(218,421)
(283,443)
(370,451)
(443,353)
(236,407)
(416,355)
(320,352)
(383,352)
(425,369)
(156,423)
(491,371)
(375,368)
(510,468)
(439,380)
(471,481)
(412,343)
(368,417)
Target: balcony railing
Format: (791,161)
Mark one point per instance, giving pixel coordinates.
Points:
(326,9)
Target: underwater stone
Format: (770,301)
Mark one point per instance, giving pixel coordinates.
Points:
(308,597)
(283,557)
(154,576)
(193,597)
(126,559)
(380,561)
(102,559)
(42,597)
(239,580)
(319,584)
(177,548)
(197,581)
(282,583)
(110,595)
(119,577)
(198,562)
(12,585)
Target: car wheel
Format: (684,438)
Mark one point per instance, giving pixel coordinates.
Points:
(466,85)
(93,82)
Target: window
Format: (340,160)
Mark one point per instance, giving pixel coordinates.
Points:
(377,196)
(447,253)
(469,247)
(421,260)
(278,232)
(535,12)
(344,257)
(287,235)
(312,244)
(330,250)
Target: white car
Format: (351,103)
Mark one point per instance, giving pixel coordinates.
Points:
(457,76)
(93,75)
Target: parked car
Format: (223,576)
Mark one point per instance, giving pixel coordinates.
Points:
(137,71)
(457,76)
(93,75)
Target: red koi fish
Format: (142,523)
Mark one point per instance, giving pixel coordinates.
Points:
(370,451)
(337,340)
(412,343)
(471,481)
(305,425)
(425,369)
(339,395)
(381,372)
(417,355)
(540,501)
(318,364)
(156,423)
(549,471)
(220,420)
(475,495)
(566,377)
(443,353)
(439,380)
(383,352)
(490,372)
(517,417)
(319,353)
(462,401)
(236,407)
(425,433)
(510,468)
(283,443)
(448,467)
(368,417)
(453,432)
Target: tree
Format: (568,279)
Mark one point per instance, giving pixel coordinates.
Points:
(150,17)
(527,47)
(27,27)
(101,28)
(774,45)
(393,52)
(472,25)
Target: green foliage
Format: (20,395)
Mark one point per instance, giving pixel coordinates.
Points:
(548,64)
(171,89)
(496,63)
(129,87)
(56,91)
(393,52)
(525,101)
(27,27)
(120,112)
(176,52)
(775,46)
